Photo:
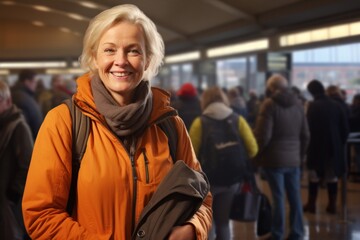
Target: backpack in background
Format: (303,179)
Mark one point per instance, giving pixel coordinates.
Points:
(223,155)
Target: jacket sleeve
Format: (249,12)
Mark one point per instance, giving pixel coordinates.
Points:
(248,137)
(264,125)
(48,182)
(195,135)
(185,151)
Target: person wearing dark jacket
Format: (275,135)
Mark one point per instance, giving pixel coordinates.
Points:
(16,146)
(187,104)
(354,122)
(329,129)
(281,131)
(23,95)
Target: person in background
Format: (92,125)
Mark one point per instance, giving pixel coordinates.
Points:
(329,129)
(127,155)
(50,98)
(16,145)
(252,106)
(215,105)
(334,92)
(187,104)
(70,86)
(23,95)
(354,122)
(299,94)
(282,133)
(237,102)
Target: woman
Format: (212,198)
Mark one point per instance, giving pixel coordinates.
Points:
(215,105)
(127,154)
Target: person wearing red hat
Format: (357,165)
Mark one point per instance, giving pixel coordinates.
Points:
(187,104)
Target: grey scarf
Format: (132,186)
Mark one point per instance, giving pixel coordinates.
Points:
(123,120)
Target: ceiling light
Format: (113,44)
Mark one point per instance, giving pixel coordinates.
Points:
(321,34)
(65,71)
(190,56)
(75,64)
(251,46)
(38,23)
(64,29)
(11,65)
(42,8)
(355,28)
(89,4)
(76,16)
(339,31)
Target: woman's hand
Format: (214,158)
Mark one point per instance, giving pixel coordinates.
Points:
(185,232)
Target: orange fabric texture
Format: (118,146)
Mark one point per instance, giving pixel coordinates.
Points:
(105,183)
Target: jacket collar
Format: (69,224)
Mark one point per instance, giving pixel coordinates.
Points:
(85,100)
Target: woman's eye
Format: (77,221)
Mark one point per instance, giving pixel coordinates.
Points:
(109,50)
(134,52)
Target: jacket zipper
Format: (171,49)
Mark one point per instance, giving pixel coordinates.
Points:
(146,161)
(135,177)
(133,167)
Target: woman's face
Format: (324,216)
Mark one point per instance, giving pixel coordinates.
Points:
(121,60)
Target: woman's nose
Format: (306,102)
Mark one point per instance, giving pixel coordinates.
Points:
(120,58)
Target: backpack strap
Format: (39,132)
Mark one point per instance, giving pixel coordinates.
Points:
(80,133)
(169,128)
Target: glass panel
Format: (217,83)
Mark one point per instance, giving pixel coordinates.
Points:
(335,65)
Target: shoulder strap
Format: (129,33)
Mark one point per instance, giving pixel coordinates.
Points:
(80,134)
(80,129)
(169,128)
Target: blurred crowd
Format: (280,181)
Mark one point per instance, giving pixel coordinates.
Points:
(328,118)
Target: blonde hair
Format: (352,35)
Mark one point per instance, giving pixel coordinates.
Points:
(276,82)
(154,43)
(211,95)
(4,91)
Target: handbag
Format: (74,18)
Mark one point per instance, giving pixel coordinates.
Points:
(265,217)
(246,203)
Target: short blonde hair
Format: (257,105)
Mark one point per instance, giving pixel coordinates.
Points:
(276,82)
(4,91)
(211,95)
(154,43)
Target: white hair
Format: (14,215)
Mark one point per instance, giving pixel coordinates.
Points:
(154,43)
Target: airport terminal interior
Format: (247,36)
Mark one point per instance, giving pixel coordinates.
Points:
(212,42)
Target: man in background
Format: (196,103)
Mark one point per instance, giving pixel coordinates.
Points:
(23,94)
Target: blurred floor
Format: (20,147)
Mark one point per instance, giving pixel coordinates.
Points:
(325,226)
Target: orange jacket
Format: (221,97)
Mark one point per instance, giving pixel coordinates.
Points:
(105,185)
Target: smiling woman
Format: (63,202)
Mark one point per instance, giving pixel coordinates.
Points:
(121,60)
(127,156)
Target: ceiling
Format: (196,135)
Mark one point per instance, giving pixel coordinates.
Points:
(184,24)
